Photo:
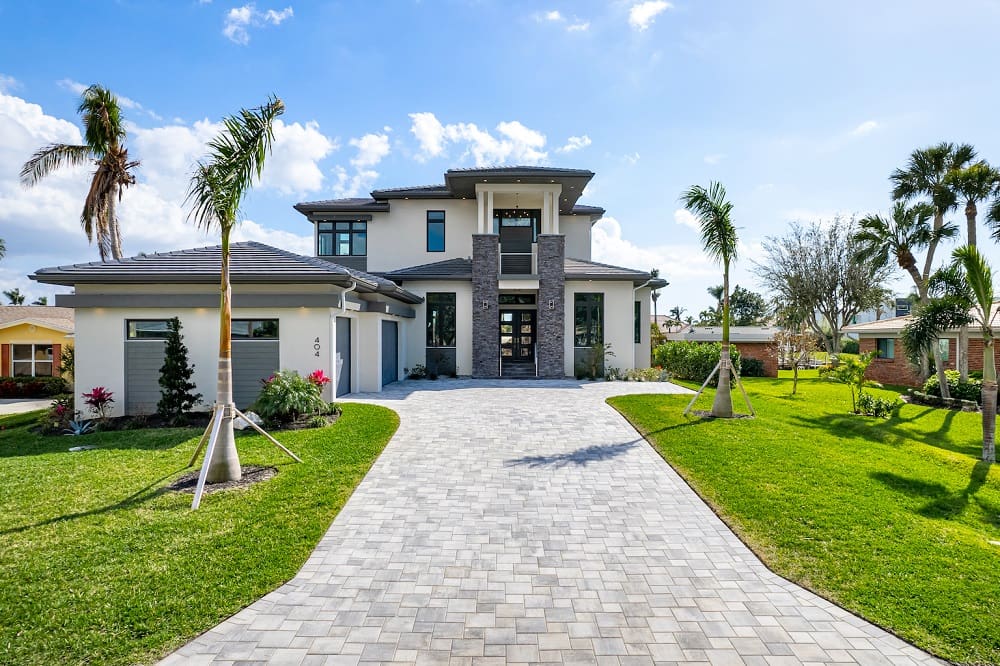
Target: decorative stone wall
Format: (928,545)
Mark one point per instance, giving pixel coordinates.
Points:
(550,344)
(485,291)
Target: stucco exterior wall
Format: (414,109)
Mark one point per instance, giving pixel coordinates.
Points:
(641,350)
(618,320)
(32,334)
(576,228)
(415,349)
(399,238)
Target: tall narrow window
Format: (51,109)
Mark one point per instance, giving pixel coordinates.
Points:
(588,320)
(342,239)
(638,322)
(885,348)
(435,231)
(441,319)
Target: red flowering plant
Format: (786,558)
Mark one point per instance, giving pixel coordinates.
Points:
(318,378)
(99,399)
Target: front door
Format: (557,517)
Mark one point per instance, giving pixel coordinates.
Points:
(517,336)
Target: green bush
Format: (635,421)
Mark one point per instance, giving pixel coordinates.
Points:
(32,387)
(692,360)
(871,405)
(752,367)
(850,346)
(970,390)
(287,395)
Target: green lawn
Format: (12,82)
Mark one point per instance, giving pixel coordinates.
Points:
(891,519)
(99,565)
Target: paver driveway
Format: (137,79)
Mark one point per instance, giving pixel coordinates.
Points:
(528,522)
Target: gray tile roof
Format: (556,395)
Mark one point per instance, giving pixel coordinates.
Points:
(578,269)
(418,191)
(582,209)
(461,269)
(249,262)
(352,205)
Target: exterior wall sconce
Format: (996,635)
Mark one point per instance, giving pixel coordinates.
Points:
(552,304)
(486,305)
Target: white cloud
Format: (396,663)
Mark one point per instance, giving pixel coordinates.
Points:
(372,148)
(552,15)
(714,159)
(673,260)
(578,26)
(575,143)
(516,143)
(353,185)
(239,20)
(687,218)
(293,166)
(631,159)
(642,15)
(8,83)
(78,88)
(864,128)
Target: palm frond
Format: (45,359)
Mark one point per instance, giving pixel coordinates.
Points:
(52,157)
(103,124)
(980,277)
(718,235)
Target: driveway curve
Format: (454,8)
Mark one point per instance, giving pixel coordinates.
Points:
(528,522)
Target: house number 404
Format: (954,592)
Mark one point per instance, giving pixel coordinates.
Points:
(316,347)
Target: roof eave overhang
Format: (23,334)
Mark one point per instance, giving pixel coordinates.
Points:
(310,210)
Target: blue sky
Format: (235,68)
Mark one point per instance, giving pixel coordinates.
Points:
(802,109)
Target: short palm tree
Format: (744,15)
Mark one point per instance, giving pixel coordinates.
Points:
(235,160)
(980,277)
(104,146)
(718,237)
(881,240)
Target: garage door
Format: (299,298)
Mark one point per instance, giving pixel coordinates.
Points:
(390,352)
(343,360)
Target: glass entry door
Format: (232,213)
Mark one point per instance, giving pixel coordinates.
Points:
(517,336)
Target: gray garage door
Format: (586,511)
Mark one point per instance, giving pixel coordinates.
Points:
(344,355)
(253,360)
(143,360)
(390,352)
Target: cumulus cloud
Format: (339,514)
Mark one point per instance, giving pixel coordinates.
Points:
(293,166)
(353,184)
(239,20)
(685,217)
(675,260)
(515,143)
(631,159)
(372,148)
(8,83)
(575,143)
(642,15)
(552,15)
(865,128)
(578,26)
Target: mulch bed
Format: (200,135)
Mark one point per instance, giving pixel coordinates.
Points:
(251,474)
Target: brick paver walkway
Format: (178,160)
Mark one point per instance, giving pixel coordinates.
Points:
(527,523)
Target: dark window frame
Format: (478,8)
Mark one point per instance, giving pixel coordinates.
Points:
(533,214)
(888,353)
(437,305)
(588,304)
(430,222)
(637,335)
(356,232)
(130,336)
(253,332)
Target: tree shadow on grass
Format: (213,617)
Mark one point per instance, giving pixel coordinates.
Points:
(945,504)
(150,439)
(141,496)
(888,431)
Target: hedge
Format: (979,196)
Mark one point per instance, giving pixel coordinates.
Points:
(692,360)
(32,387)
(970,390)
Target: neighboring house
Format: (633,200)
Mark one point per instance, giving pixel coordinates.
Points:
(752,341)
(488,275)
(32,338)
(890,365)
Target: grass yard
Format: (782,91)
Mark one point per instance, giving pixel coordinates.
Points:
(99,565)
(892,519)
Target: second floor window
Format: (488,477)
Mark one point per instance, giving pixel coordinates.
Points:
(435,231)
(441,319)
(342,239)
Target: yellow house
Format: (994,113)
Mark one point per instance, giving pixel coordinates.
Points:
(32,338)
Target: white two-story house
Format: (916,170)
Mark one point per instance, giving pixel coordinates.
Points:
(488,275)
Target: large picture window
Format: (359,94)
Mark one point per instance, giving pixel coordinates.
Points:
(588,320)
(518,217)
(441,319)
(255,329)
(31,360)
(342,239)
(885,348)
(435,231)
(147,329)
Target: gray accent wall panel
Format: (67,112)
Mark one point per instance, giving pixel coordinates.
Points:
(390,352)
(343,353)
(485,289)
(356,263)
(550,346)
(143,360)
(253,360)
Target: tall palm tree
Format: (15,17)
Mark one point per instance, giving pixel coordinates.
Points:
(41,300)
(926,177)
(718,237)
(972,184)
(655,294)
(14,296)
(236,158)
(907,231)
(104,146)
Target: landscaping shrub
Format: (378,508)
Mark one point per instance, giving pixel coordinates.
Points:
(970,390)
(58,416)
(32,387)
(871,405)
(637,375)
(177,395)
(850,346)
(99,399)
(692,360)
(752,367)
(287,395)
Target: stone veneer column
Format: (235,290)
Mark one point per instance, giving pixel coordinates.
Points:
(485,289)
(550,345)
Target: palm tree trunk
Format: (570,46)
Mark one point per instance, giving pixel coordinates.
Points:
(963,353)
(225,463)
(722,404)
(939,368)
(989,401)
(970,223)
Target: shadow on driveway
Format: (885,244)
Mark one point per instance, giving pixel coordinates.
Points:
(580,457)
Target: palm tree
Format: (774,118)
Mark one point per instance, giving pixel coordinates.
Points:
(236,158)
(655,293)
(14,296)
(908,230)
(718,237)
(41,300)
(3,249)
(675,314)
(980,277)
(972,184)
(926,176)
(104,146)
